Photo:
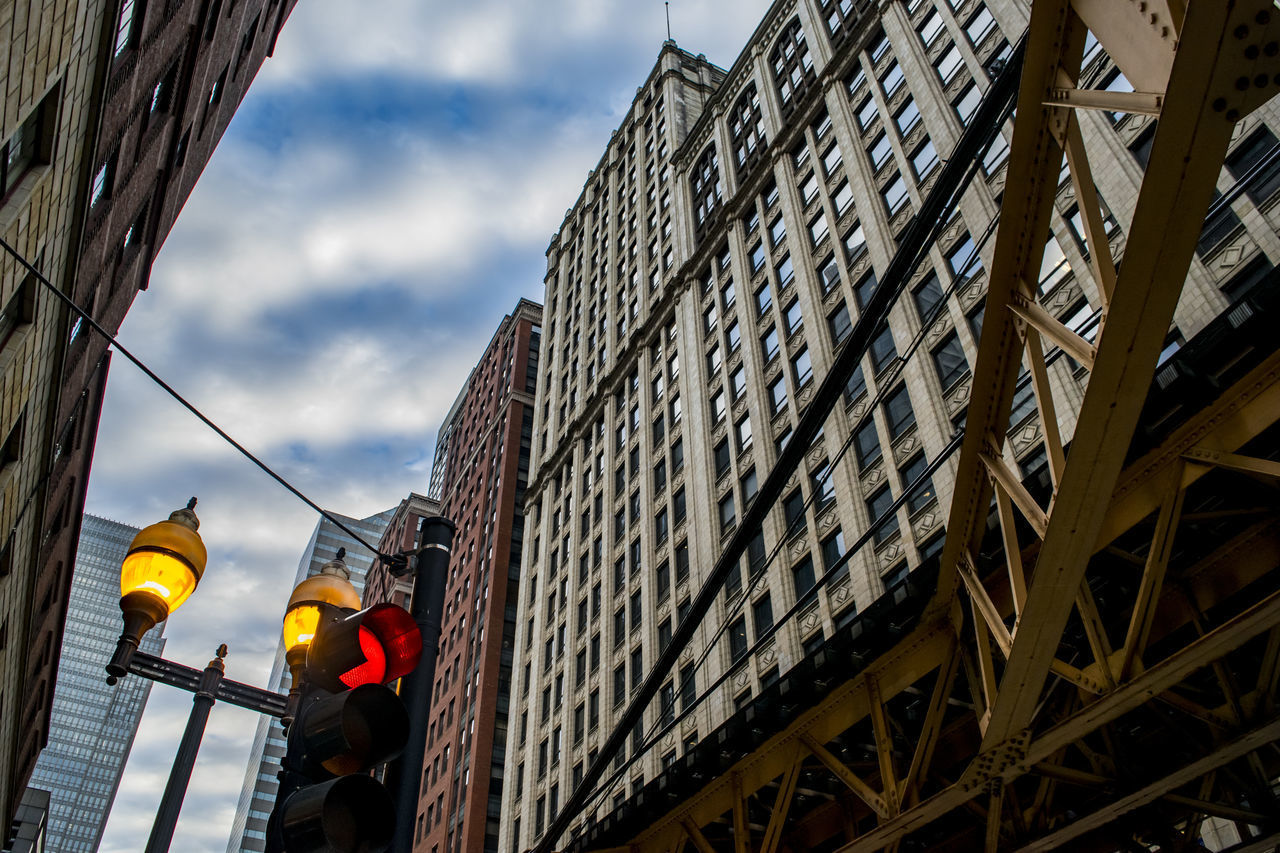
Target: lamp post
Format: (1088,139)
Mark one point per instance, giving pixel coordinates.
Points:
(162,568)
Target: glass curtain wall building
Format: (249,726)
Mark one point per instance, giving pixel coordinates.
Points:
(258,794)
(93,724)
(696,293)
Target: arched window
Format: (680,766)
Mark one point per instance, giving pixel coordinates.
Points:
(746,127)
(792,65)
(705,184)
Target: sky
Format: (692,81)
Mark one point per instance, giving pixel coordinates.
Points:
(383,197)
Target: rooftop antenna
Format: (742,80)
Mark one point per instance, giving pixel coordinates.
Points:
(667,4)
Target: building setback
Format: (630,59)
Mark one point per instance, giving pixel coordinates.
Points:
(93,723)
(112,110)
(258,794)
(479,476)
(718,254)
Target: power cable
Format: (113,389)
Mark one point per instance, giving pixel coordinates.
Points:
(151,374)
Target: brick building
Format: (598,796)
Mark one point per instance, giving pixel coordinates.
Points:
(479,474)
(718,255)
(111,110)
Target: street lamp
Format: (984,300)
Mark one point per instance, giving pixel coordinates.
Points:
(162,568)
(332,586)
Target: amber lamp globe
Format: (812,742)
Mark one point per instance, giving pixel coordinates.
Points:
(161,569)
(303,613)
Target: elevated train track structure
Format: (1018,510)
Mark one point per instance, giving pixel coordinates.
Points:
(1093,663)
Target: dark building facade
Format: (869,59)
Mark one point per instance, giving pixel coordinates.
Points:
(479,475)
(147,89)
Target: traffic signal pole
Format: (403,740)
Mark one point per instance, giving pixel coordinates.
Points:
(404,775)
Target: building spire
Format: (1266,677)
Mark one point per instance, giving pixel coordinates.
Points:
(667,5)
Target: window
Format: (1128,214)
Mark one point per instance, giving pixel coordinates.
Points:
(865,289)
(931,28)
(818,228)
(762,616)
(802,577)
(24,149)
(704,184)
(840,17)
(927,295)
(892,79)
(867,113)
(949,360)
(714,360)
(749,487)
(792,317)
(717,407)
(785,272)
(980,25)
(924,160)
(923,494)
(738,382)
(963,260)
(743,429)
(832,550)
(18,312)
(660,526)
(843,198)
(996,155)
(769,344)
(877,505)
(866,444)
(777,232)
(677,455)
(733,335)
(882,350)
(967,104)
(746,127)
(688,687)
(879,48)
(778,394)
(839,324)
(678,512)
(1053,265)
(809,189)
(895,195)
(764,299)
(880,151)
(727,295)
(102,181)
(823,485)
(898,412)
(856,386)
(949,64)
(801,367)
(709,319)
(832,160)
(792,65)
(757,257)
(907,117)
(737,638)
(1248,163)
(125,29)
(728,516)
(829,275)
(855,242)
(721,456)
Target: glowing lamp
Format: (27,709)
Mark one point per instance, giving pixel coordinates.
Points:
(160,571)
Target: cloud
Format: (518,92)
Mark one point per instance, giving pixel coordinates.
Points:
(383,197)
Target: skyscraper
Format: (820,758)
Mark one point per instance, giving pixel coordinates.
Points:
(93,723)
(479,476)
(718,255)
(258,794)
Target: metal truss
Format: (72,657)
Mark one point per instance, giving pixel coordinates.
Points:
(1100,663)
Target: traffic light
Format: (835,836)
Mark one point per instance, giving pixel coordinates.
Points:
(347,723)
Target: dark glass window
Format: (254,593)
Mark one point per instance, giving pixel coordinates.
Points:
(746,127)
(949,360)
(792,65)
(898,412)
(866,444)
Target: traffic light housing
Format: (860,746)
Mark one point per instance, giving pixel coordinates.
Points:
(347,723)
(374,646)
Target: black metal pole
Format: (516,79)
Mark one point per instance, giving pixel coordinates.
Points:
(404,775)
(185,760)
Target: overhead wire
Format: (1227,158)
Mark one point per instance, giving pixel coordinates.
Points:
(151,374)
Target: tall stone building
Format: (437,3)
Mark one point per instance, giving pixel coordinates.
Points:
(695,294)
(258,794)
(93,723)
(111,110)
(479,476)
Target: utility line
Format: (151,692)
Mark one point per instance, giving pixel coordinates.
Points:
(151,374)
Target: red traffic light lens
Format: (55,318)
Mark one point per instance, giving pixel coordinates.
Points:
(399,637)
(374,668)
